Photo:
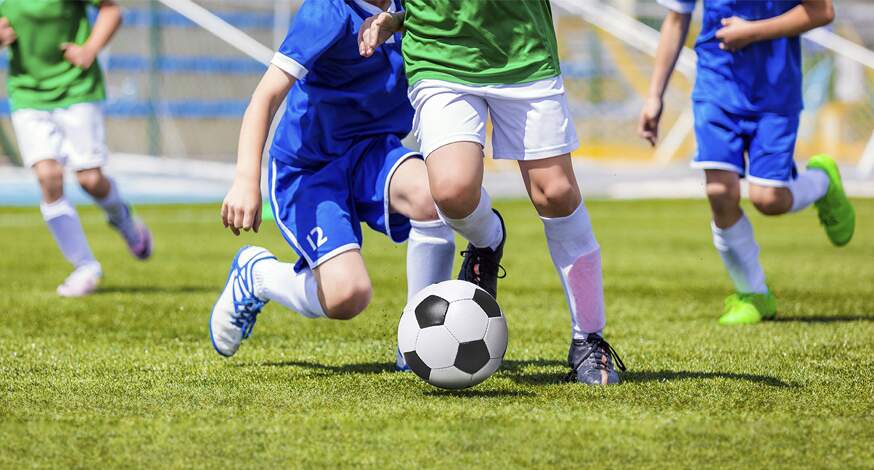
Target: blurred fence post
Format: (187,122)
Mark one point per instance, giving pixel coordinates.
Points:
(154,126)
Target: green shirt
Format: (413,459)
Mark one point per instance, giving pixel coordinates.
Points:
(480,42)
(39,76)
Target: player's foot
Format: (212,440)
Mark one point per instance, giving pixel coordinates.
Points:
(237,308)
(400,362)
(482,266)
(748,309)
(81,282)
(836,213)
(136,235)
(591,360)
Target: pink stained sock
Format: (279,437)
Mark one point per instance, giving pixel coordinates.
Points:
(586,293)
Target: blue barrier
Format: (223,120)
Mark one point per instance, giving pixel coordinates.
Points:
(142,18)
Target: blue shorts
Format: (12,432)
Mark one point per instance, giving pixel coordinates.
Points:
(767,140)
(320,211)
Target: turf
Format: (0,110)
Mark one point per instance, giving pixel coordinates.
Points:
(127,377)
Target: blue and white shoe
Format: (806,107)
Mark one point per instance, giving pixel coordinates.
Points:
(401,363)
(237,308)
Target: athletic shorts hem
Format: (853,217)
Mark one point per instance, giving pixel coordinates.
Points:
(537,154)
(453,139)
(333,254)
(388,179)
(714,165)
(771,183)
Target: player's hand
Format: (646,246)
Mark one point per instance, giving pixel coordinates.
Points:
(7,34)
(241,209)
(735,34)
(375,31)
(650,115)
(80,56)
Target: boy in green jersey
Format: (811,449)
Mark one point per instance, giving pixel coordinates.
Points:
(55,87)
(470,59)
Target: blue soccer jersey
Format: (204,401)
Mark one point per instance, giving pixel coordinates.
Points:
(764,77)
(339,97)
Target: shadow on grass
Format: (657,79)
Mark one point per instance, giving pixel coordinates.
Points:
(673,375)
(476,393)
(824,319)
(155,289)
(364,368)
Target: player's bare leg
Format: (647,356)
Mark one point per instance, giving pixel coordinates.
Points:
(575,252)
(455,172)
(63,222)
(431,245)
(105,193)
(734,240)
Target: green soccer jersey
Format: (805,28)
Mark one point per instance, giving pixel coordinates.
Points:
(480,42)
(39,76)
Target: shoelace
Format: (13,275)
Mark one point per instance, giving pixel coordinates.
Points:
(247,309)
(599,343)
(476,261)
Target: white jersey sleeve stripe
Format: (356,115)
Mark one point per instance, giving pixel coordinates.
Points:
(678,5)
(289,65)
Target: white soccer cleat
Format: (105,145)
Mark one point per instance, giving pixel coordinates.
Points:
(81,282)
(237,308)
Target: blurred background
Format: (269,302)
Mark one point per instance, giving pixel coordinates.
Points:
(180,74)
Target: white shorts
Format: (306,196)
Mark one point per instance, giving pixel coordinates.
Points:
(530,121)
(74,136)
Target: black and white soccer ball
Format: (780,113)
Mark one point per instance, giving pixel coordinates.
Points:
(453,334)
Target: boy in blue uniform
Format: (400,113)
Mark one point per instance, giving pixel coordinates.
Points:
(336,161)
(747,101)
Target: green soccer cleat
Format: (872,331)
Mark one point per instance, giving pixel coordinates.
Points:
(748,309)
(836,213)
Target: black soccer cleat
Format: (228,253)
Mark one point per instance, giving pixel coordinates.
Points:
(482,266)
(591,360)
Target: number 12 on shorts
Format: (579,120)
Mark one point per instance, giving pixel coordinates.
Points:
(317,238)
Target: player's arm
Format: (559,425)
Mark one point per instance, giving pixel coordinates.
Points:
(377,29)
(674,30)
(241,209)
(7,34)
(737,33)
(107,23)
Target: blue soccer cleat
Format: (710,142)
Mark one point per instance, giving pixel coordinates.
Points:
(237,308)
(401,363)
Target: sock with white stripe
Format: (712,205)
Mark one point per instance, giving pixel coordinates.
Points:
(577,258)
(808,188)
(63,222)
(482,227)
(430,253)
(279,282)
(740,253)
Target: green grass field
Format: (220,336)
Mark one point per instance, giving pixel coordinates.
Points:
(128,377)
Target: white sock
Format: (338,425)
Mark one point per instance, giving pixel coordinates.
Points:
(577,258)
(117,211)
(430,253)
(740,253)
(63,222)
(808,188)
(296,291)
(482,227)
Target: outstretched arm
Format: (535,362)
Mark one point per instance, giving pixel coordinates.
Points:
(738,33)
(377,29)
(107,23)
(241,209)
(673,35)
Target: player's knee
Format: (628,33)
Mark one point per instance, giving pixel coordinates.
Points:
(723,196)
(556,198)
(422,207)
(346,302)
(51,180)
(456,198)
(770,201)
(89,180)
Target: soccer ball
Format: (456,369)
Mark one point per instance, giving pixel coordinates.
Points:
(453,334)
